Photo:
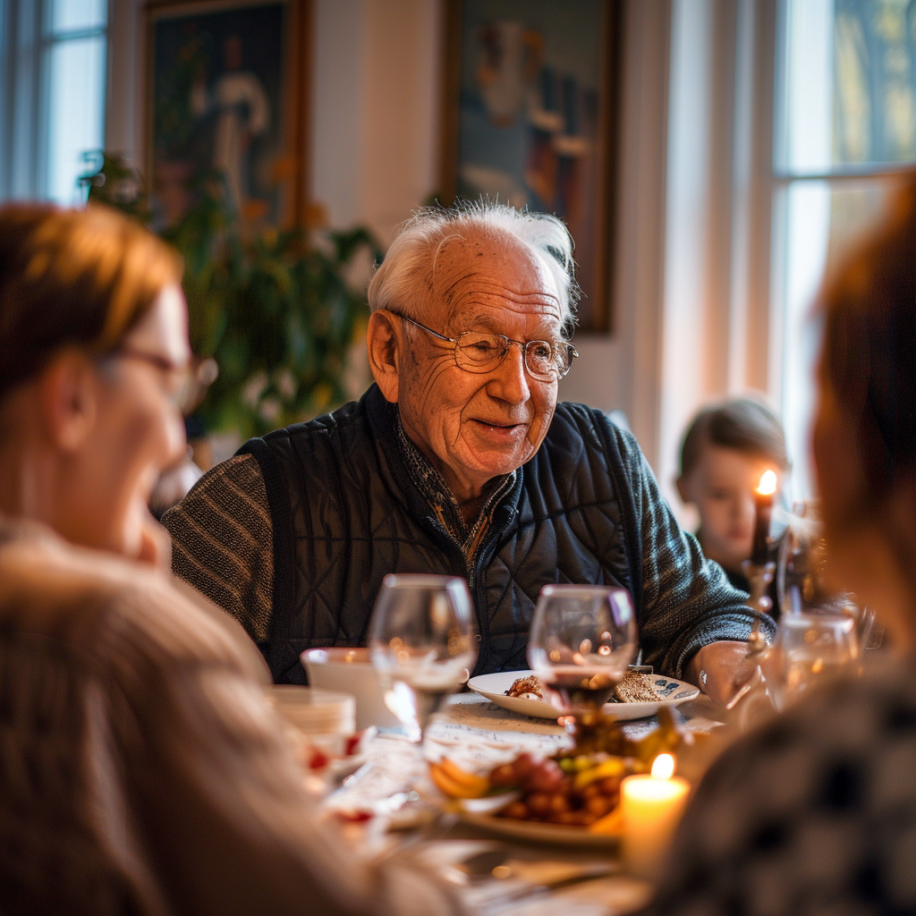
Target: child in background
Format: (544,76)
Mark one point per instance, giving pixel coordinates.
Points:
(726,449)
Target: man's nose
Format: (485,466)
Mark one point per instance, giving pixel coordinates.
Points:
(510,379)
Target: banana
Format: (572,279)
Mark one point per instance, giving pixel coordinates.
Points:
(480,785)
(450,786)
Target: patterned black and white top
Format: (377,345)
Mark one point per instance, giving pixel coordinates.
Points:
(815,813)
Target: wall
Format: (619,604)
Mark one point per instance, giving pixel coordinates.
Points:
(375,111)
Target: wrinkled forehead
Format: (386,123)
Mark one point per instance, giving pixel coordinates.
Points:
(474,268)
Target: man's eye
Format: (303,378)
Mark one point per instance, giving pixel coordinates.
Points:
(542,351)
(483,346)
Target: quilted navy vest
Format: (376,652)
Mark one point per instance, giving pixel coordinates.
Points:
(346,513)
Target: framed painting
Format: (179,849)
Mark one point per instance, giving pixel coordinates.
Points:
(225,107)
(531,107)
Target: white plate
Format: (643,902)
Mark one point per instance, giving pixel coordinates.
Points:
(537,832)
(494,687)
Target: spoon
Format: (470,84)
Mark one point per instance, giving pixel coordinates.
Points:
(495,865)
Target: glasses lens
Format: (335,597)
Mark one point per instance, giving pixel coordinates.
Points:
(199,375)
(479,352)
(544,360)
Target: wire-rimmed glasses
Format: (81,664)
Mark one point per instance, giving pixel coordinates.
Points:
(192,379)
(478,351)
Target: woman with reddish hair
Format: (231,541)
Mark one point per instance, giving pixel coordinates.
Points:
(141,769)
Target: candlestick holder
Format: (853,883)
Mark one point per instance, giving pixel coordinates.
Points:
(753,690)
(760,576)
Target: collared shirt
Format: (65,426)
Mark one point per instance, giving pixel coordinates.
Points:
(440,497)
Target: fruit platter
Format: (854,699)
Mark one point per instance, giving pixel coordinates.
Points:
(572,797)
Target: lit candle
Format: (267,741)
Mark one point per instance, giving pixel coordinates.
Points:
(651,808)
(763,513)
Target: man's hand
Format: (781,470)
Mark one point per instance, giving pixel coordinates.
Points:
(719,669)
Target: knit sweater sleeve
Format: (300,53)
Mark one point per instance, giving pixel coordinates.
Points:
(688,602)
(222,542)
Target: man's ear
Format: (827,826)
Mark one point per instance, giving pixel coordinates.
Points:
(384,342)
(69,400)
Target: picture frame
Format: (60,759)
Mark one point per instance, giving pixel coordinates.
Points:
(226,93)
(530,118)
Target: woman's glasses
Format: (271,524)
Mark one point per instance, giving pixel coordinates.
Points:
(476,351)
(192,379)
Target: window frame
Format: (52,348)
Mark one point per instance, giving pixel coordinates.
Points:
(26,44)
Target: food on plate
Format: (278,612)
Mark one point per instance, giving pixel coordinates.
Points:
(575,788)
(636,687)
(456,782)
(526,688)
(568,791)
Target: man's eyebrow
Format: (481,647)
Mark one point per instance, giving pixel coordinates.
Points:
(489,321)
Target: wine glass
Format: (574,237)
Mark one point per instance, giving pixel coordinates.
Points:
(810,648)
(421,640)
(801,583)
(582,639)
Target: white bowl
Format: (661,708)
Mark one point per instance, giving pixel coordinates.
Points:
(351,671)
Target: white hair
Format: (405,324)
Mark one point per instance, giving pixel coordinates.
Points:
(404,280)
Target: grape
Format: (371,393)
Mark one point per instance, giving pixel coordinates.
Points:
(522,767)
(518,810)
(539,803)
(503,775)
(545,777)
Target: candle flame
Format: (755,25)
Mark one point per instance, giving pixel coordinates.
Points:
(663,766)
(767,484)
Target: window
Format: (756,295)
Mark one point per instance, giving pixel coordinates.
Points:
(52,104)
(845,126)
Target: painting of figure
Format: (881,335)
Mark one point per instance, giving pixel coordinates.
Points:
(220,107)
(534,115)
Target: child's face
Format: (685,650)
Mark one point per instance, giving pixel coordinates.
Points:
(722,486)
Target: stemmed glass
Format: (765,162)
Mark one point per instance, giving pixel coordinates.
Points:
(421,640)
(582,639)
(801,583)
(821,631)
(810,648)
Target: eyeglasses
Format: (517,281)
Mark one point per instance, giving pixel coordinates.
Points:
(475,351)
(194,378)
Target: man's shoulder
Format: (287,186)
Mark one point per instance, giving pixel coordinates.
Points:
(590,429)
(364,413)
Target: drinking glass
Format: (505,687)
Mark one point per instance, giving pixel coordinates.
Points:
(810,648)
(582,639)
(421,640)
(801,584)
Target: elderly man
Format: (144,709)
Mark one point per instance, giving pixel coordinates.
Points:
(458,461)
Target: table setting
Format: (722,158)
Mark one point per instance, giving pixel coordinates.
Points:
(555,790)
(563,780)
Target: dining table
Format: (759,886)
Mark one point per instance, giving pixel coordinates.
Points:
(388,807)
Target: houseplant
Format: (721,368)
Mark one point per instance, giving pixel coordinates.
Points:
(274,308)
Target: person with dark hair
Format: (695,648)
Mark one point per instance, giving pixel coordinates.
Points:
(141,768)
(816,811)
(726,449)
(458,461)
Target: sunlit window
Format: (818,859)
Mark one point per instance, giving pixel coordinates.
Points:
(846,125)
(53,105)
